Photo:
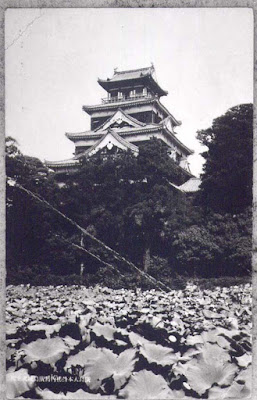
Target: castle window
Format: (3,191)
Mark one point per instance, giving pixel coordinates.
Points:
(120,95)
(144,91)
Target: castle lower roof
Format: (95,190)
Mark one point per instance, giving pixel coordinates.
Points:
(130,132)
(90,109)
(190,186)
(72,162)
(116,136)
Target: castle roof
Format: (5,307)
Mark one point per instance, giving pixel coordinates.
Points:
(128,131)
(190,186)
(131,74)
(141,75)
(90,109)
(138,93)
(72,162)
(124,117)
(110,137)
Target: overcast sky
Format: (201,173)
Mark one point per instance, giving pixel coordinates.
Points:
(202,57)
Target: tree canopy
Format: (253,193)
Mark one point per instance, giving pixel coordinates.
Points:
(127,202)
(227,173)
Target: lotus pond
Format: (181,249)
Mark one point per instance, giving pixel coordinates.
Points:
(73,342)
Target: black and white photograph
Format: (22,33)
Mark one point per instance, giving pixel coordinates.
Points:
(129,173)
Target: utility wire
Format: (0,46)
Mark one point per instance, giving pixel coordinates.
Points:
(72,222)
(91,254)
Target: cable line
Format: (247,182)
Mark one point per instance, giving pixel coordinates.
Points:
(91,254)
(119,257)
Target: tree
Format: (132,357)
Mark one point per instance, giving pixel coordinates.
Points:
(33,230)
(145,220)
(126,199)
(219,245)
(227,174)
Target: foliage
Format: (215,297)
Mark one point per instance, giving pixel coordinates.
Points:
(227,175)
(219,246)
(128,343)
(210,366)
(34,232)
(128,203)
(126,200)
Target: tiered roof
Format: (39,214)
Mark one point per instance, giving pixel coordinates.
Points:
(141,75)
(138,97)
(128,103)
(136,128)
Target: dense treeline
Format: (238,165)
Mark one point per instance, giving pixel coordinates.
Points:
(128,203)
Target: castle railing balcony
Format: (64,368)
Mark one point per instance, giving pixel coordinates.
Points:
(125,98)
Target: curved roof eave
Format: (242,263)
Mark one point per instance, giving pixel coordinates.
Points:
(178,142)
(77,135)
(61,163)
(125,103)
(131,131)
(176,122)
(105,83)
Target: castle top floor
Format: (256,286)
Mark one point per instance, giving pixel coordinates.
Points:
(131,84)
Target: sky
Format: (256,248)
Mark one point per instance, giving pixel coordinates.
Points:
(202,57)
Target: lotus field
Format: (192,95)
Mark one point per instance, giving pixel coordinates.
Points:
(90,343)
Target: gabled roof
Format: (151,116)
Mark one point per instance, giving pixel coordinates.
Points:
(129,132)
(118,117)
(143,75)
(112,138)
(126,130)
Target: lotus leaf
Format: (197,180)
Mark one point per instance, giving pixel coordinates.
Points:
(245,376)
(235,391)
(79,394)
(209,367)
(49,351)
(107,331)
(90,353)
(244,360)
(108,364)
(18,382)
(155,353)
(210,314)
(138,340)
(146,385)
(48,329)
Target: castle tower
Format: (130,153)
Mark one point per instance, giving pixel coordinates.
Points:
(129,115)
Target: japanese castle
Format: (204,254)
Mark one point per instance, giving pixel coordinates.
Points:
(130,115)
